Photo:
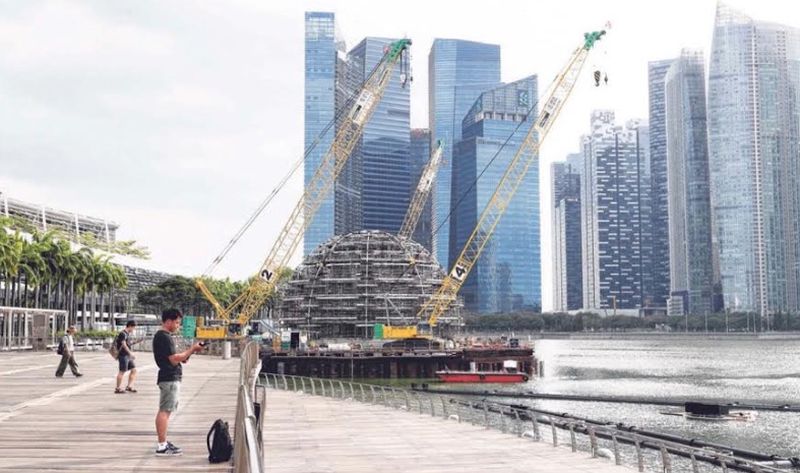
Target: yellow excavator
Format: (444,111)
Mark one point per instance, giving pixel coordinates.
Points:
(527,154)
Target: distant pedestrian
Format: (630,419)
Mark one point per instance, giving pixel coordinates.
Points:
(124,341)
(68,355)
(170,373)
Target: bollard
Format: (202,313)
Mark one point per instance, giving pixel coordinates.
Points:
(226,350)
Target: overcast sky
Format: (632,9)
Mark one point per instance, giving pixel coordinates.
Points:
(175,118)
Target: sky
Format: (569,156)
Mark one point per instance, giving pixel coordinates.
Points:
(175,119)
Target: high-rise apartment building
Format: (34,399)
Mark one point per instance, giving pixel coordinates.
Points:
(458,72)
(659,259)
(691,251)
(615,208)
(753,160)
(566,224)
(507,276)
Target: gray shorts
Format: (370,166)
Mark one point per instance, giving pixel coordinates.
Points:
(168,400)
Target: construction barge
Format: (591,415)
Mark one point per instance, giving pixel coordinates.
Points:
(393,362)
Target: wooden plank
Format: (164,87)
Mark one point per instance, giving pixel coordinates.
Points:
(312,433)
(79,424)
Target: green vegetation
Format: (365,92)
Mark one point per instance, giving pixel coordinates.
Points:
(560,322)
(44,272)
(125,247)
(182,293)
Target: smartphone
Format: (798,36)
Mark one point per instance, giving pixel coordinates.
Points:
(202,344)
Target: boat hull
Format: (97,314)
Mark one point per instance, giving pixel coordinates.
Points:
(481,377)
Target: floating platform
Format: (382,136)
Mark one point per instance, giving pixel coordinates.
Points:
(393,363)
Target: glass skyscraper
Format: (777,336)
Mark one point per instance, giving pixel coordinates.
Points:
(660,270)
(321,49)
(383,152)
(507,275)
(753,92)
(691,252)
(615,205)
(567,260)
(458,72)
(420,156)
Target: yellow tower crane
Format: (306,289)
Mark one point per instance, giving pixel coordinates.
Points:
(255,295)
(421,194)
(527,154)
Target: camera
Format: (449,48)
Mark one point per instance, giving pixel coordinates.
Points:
(202,344)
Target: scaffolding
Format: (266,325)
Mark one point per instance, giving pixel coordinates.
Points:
(353,281)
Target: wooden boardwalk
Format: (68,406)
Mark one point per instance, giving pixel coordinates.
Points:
(304,433)
(79,424)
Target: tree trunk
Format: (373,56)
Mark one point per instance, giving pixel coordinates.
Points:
(83,309)
(111,311)
(102,297)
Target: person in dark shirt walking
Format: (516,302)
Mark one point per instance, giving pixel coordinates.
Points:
(126,358)
(170,373)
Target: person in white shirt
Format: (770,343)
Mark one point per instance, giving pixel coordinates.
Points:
(68,354)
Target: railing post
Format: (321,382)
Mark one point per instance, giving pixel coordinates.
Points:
(341,385)
(485,414)
(593,442)
(394,397)
(504,426)
(303,384)
(723,465)
(322,386)
(617,458)
(333,390)
(352,391)
(384,396)
(433,411)
(363,394)
(695,466)
(572,440)
(313,387)
(419,401)
(444,408)
(372,390)
(639,459)
(517,424)
(285,383)
(408,402)
(667,463)
(536,436)
(555,435)
(294,383)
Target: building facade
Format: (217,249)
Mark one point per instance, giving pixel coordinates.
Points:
(615,212)
(566,221)
(660,257)
(458,72)
(420,156)
(507,276)
(383,151)
(753,148)
(321,49)
(691,251)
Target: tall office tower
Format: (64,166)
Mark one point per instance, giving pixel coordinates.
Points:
(660,269)
(507,276)
(753,161)
(384,147)
(615,212)
(420,156)
(458,72)
(691,251)
(321,51)
(566,221)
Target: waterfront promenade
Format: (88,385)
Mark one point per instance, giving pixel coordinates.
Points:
(79,424)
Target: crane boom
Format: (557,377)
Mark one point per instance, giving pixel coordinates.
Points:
(526,155)
(423,191)
(253,297)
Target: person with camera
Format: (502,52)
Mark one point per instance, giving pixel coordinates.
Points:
(170,373)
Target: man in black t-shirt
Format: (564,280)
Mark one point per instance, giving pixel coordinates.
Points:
(125,358)
(169,376)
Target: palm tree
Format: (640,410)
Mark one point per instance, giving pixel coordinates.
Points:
(118,280)
(32,265)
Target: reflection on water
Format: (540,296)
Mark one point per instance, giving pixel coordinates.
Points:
(765,371)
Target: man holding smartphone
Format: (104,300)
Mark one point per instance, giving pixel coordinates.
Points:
(170,373)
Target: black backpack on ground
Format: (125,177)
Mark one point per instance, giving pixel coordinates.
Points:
(60,349)
(220,448)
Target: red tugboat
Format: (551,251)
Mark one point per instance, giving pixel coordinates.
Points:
(510,374)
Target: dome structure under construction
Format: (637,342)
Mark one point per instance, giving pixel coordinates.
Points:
(354,281)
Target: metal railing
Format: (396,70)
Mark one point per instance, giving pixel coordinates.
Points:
(247,443)
(624,448)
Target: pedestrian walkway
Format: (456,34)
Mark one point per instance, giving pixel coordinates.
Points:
(79,424)
(306,433)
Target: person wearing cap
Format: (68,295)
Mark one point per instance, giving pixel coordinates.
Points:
(68,355)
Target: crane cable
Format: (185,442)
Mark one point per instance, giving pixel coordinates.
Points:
(263,205)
